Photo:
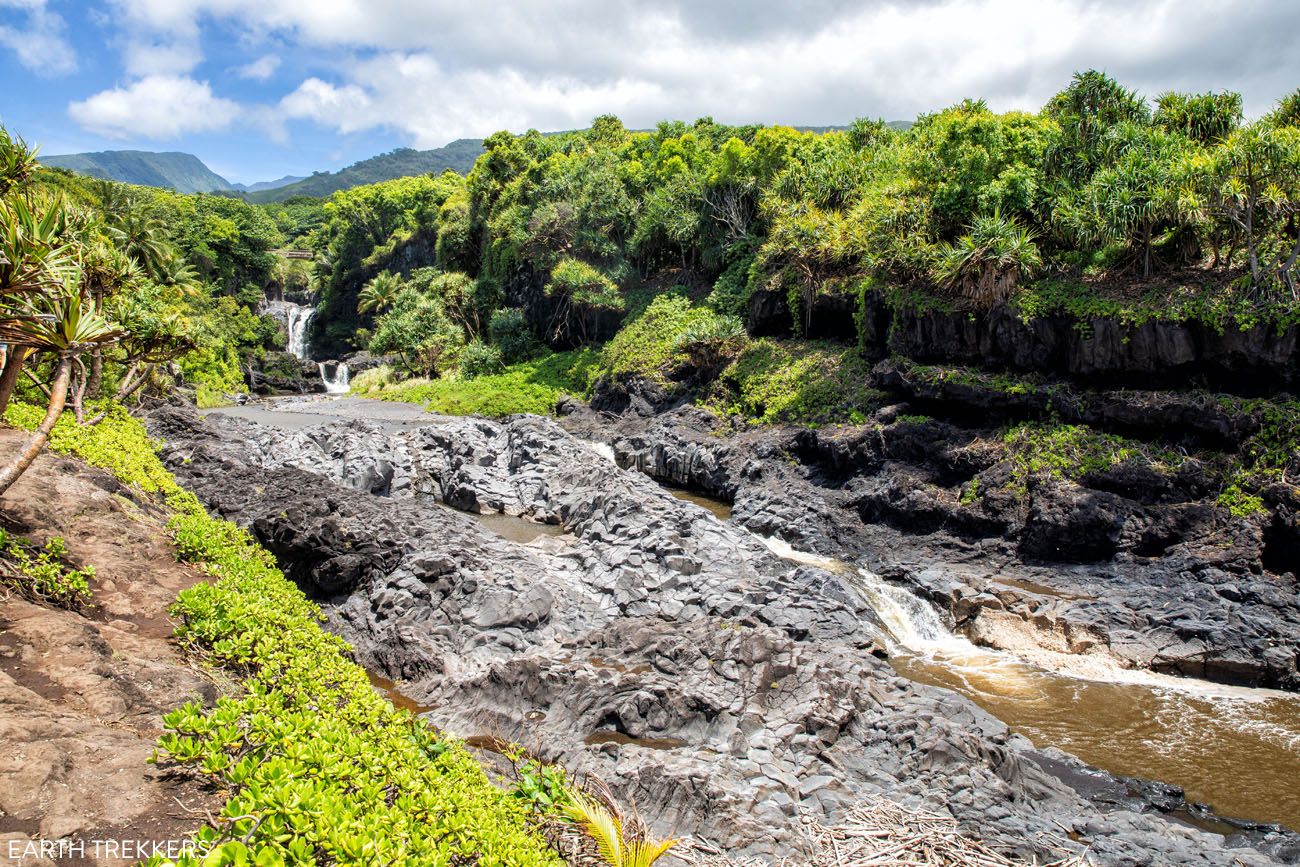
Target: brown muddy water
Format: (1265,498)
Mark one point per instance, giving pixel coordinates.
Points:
(394,694)
(514,528)
(1233,748)
(720,508)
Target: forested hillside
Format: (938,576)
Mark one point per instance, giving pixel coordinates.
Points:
(457,156)
(184,173)
(1101,202)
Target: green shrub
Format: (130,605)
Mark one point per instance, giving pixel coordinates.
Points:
(1067,451)
(584,285)
(508,329)
(1240,503)
(374,379)
(647,346)
(480,359)
(43,574)
(731,291)
(799,382)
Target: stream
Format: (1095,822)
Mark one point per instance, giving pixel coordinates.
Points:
(1233,748)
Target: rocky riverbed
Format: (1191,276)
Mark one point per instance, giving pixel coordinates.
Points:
(725,689)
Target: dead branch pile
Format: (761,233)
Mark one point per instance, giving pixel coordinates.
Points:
(879,833)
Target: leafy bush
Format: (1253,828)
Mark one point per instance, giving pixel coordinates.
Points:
(317,767)
(1240,503)
(508,329)
(584,284)
(417,329)
(480,359)
(374,379)
(1068,451)
(710,341)
(647,346)
(730,295)
(800,382)
(43,574)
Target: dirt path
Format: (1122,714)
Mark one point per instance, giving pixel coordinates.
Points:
(81,695)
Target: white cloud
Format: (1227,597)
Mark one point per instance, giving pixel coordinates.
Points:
(144,57)
(155,107)
(260,69)
(40,45)
(414,95)
(438,69)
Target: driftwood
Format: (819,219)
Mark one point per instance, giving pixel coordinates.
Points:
(879,833)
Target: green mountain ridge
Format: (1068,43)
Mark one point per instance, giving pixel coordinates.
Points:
(182,172)
(459,156)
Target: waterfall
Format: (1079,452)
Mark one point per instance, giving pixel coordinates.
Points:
(296,318)
(911,621)
(339,384)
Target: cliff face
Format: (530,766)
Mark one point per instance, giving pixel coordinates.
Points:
(1096,350)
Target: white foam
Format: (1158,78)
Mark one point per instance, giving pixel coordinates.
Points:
(605,450)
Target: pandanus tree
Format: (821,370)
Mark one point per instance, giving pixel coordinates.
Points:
(46,304)
(1135,198)
(1251,182)
(987,263)
(33,258)
(64,322)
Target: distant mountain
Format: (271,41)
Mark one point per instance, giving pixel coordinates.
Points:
(269,185)
(184,173)
(458,156)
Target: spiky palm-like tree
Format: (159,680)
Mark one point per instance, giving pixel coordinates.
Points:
(605,827)
(65,322)
(34,257)
(141,236)
(987,263)
(380,293)
(17,161)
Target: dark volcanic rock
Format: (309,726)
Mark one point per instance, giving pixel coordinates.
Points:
(722,688)
(1153,353)
(282,373)
(1172,582)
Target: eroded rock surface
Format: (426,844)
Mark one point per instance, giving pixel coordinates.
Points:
(722,688)
(1146,570)
(81,693)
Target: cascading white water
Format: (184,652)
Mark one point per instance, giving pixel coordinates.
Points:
(299,319)
(605,450)
(1233,747)
(296,319)
(339,382)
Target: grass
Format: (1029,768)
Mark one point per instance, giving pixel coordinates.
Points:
(527,387)
(317,768)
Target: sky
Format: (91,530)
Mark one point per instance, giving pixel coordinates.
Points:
(258,89)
